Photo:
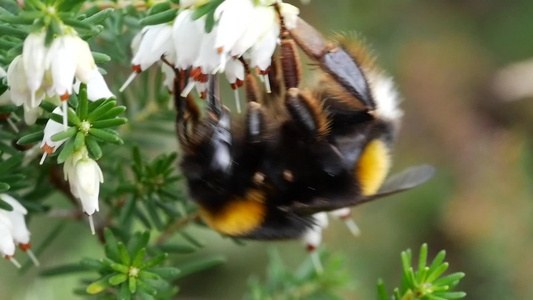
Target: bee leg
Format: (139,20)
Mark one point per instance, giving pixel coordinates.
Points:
(275,78)
(335,60)
(302,107)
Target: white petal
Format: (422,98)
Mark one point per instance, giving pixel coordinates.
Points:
(96,87)
(63,63)
(16,79)
(155,42)
(52,127)
(290,15)
(31,114)
(261,55)
(169,76)
(33,56)
(312,237)
(261,22)
(208,58)
(187,35)
(85,61)
(234,70)
(19,231)
(17,207)
(235,14)
(85,175)
(7,245)
(321,219)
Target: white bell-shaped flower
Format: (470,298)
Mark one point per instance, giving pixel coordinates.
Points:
(96,87)
(17,81)
(19,230)
(232,16)
(31,114)
(155,42)
(52,127)
(61,60)
(84,176)
(33,56)
(7,244)
(262,20)
(187,35)
(312,238)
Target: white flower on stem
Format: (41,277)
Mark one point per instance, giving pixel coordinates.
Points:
(187,34)
(17,81)
(68,56)
(312,238)
(262,20)
(33,56)
(19,230)
(235,75)
(52,127)
(155,41)
(7,244)
(344,215)
(84,176)
(232,16)
(96,87)
(61,60)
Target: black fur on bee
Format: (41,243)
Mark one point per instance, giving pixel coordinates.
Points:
(300,151)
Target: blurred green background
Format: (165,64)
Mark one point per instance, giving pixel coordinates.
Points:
(446,57)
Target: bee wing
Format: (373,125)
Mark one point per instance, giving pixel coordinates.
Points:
(403,181)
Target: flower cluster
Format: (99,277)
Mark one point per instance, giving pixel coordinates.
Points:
(50,71)
(13,231)
(242,29)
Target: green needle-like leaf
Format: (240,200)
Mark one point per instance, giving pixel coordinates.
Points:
(132,285)
(31,138)
(93,148)
(118,279)
(70,132)
(97,113)
(109,123)
(123,252)
(105,136)
(160,18)
(99,16)
(154,261)
(79,141)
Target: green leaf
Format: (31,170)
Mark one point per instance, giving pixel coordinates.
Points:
(382,291)
(105,136)
(99,16)
(100,57)
(93,148)
(31,138)
(115,266)
(115,111)
(160,18)
(437,261)
(69,5)
(99,285)
(177,248)
(91,263)
(10,31)
(64,134)
(111,250)
(147,288)
(66,151)
(132,285)
(72,117)
(124,292)
(48,106)
(83,102)
(137,242)
(10,163)
(79,141)
(191,239)
(109,123)
(52,30)
(447,280)
(451,295)
(123,252)
(437,272)
(166,272)
(154,215)
(423,256)
(139,256)
(97,113)
(16,19)
(64,269)
(148,275)
(200,265)
(157,8)
(154,261)
(118,279)
(77,24)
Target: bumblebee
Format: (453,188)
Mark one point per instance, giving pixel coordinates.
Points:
(300,151)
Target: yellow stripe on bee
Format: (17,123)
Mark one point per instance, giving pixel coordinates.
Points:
(239,216)
(373,166)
